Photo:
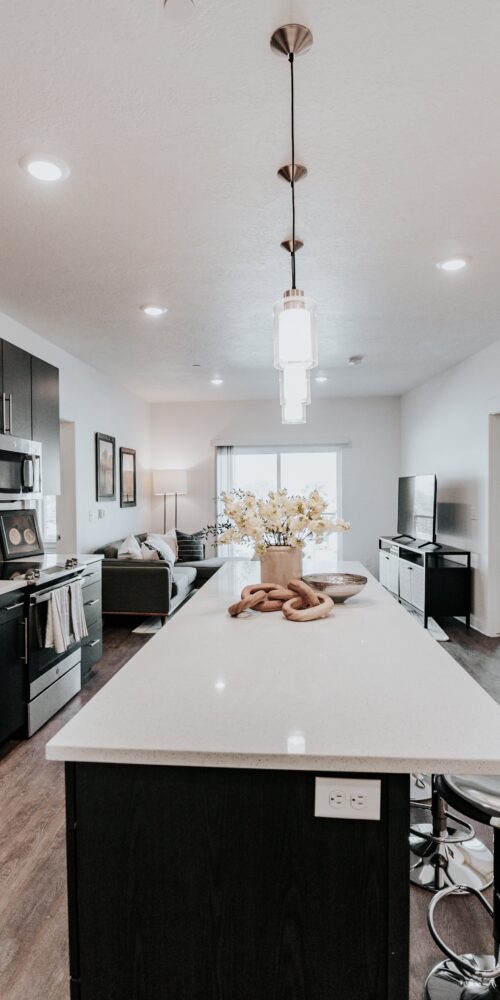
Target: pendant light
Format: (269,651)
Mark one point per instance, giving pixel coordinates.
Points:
(295,384)
(293,412)
(295,315)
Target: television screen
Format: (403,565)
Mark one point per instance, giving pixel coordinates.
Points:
(417,507)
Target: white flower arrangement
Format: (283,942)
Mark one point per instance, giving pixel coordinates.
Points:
(278,519)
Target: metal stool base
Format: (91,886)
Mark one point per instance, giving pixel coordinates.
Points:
(447,982)
(434,866)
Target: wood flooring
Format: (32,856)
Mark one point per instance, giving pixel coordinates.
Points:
(33,919)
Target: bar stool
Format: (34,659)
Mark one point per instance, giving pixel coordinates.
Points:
(446,851)
(469,977)
(420,787)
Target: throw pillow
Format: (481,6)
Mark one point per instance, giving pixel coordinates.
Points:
(149,553)
(191,547)
(129,548)
(158,542)
(171,539)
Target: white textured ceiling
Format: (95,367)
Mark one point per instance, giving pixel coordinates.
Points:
(174,122)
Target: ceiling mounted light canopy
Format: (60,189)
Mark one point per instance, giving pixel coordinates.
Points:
(295,334)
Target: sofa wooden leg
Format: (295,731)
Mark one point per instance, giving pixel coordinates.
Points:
(164,619)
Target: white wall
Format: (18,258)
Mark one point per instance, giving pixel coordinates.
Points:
(183,435)
(95,403)
(445,430)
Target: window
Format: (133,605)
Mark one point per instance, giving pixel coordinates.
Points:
(47,516)
(297,469)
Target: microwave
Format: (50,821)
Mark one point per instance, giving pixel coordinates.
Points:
(20,469)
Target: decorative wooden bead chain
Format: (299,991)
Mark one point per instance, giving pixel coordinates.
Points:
(298,601)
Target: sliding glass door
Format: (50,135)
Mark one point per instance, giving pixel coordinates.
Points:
(297,469)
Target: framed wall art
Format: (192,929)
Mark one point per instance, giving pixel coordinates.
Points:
(128,481)
(20,534)
(105,467)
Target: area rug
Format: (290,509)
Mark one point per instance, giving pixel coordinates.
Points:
(148,626)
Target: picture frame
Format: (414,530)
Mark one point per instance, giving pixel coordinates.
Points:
(128,478)
(20,534)
(105,467)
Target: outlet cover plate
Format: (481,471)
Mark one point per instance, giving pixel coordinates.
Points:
(347,798)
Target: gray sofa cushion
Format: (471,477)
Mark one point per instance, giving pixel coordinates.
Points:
(183,577)
(205,568)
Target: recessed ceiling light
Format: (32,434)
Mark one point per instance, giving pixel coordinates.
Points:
(216,381)
(196,365)
(154,310)
(45,168)
(321,378)
(453,264)
(355,359)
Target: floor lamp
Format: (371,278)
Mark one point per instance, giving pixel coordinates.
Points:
(168,483)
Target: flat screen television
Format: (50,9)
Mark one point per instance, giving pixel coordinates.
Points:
(417,507)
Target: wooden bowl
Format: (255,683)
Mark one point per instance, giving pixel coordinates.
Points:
(339,586)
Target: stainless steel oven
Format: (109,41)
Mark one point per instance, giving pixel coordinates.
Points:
(53,677)
(20,469)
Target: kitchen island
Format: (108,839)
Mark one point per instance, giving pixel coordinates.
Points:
(199,867)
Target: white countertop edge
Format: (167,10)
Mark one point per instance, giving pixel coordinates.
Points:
(50,558)
(278,762)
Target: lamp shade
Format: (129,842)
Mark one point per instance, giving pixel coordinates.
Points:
(295,386)
(295,333)
(293,412)
(169,481)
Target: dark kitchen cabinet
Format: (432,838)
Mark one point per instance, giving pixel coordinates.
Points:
(15,411)
(12,668)
(45,411)
(92,605)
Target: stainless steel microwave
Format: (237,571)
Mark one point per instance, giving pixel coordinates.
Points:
(20,469)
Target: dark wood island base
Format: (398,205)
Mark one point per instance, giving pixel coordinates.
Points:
(214,883)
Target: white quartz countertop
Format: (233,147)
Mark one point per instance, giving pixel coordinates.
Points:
(45,562)
(7,585)
(366,689)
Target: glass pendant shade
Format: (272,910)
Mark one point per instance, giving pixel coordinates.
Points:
(295,385)
(295,331)
(293,412)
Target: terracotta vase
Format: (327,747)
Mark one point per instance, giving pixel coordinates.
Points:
(280,563)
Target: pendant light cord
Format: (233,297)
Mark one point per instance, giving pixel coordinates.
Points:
(290,59)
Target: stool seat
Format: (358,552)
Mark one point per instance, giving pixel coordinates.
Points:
(479,794)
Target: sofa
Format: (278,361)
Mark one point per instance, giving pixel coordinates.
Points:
(136,587)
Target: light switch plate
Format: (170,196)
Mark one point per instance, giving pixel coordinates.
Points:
(347,798)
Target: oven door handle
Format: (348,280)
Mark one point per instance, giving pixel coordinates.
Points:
(44,595)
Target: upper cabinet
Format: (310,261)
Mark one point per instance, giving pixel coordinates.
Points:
(15,411)
(45,412)
(29,407)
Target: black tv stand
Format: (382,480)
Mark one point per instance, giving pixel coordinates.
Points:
(433,577)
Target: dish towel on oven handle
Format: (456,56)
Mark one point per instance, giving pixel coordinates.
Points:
(57,632)
(78,622)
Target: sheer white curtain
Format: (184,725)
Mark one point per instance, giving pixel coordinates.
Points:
(299,469)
